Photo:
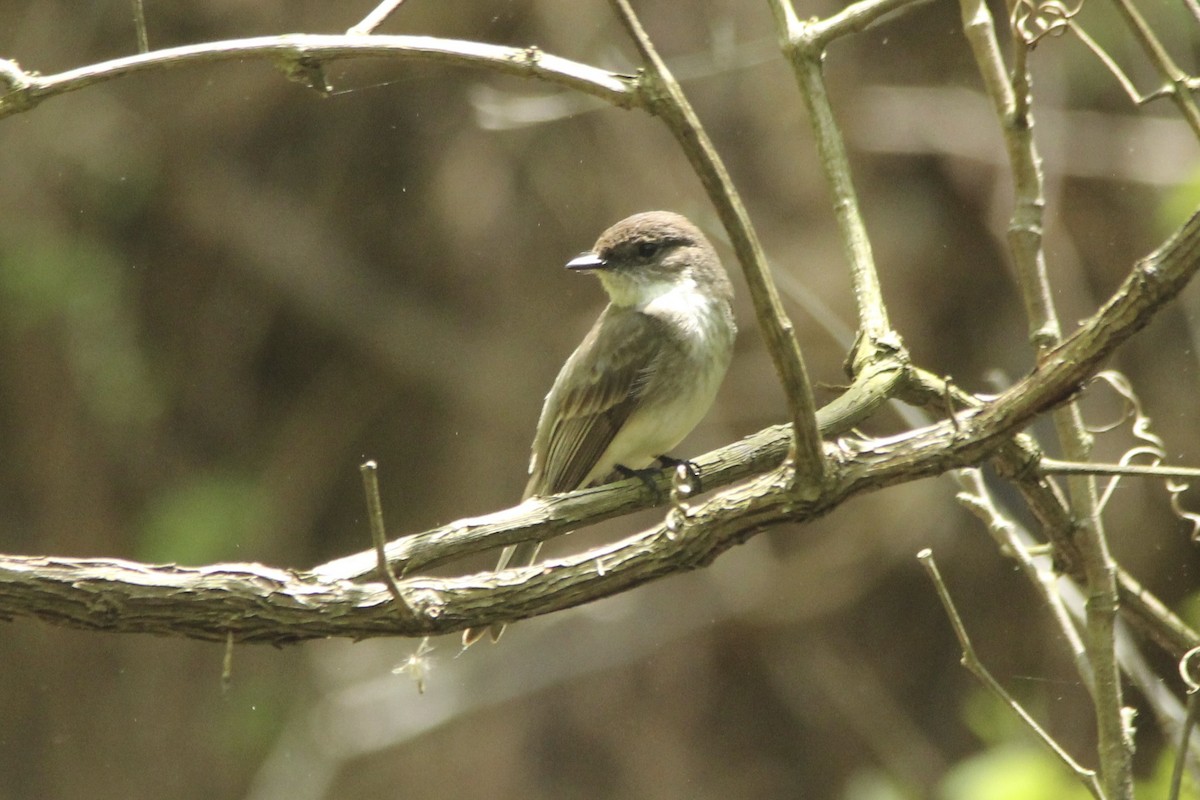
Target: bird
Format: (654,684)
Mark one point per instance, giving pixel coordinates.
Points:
(646,372)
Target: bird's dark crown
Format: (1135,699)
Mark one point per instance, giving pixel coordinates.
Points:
(643,238)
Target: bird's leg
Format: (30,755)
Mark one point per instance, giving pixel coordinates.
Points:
(646,476)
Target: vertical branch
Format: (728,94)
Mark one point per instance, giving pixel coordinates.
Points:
(667,101)
(369,470)
(1012,105)
(139,24)
(804,45)
(1011,102)
(1115,740)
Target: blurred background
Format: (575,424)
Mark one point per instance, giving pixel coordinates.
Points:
(220,292)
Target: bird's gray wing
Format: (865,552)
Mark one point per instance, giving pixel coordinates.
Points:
(607,373)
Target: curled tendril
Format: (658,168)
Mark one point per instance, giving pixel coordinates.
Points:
(1033,20)
(1152,448)
(1154,455)
(1140,429)
(1175,489)
(1188,670)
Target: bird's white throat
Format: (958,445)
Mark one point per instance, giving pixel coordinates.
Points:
(680,296)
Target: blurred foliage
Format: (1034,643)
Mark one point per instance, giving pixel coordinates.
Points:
(1158,783)
(991,720)
(872,785)
(1011,772)
(201,521)
(1181,202)
(77,288)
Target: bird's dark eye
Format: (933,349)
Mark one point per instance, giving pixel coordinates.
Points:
(647,249)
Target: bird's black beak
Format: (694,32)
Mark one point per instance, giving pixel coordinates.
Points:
(588,260)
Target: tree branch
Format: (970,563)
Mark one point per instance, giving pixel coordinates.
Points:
(805,51)
(21,90)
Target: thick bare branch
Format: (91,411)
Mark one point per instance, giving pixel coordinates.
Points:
(254,603)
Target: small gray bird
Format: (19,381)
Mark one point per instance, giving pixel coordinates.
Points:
(646,372)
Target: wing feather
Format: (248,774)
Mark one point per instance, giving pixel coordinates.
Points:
(607,374)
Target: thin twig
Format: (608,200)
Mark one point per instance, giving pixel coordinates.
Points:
(373,20)
(1115,743)
(227,664)
(971,661)
(1175,78)
(370,476)
(854,18)
(978,501)
(1193,7)
(1149,615)
(1026,242)
(139,23)
(1110,64)
(1052,466)
(672,106)
(1100,572)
